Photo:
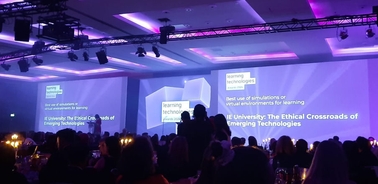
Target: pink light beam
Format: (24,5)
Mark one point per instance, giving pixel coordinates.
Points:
(140,20)
(163,59)
(215,59)
(27,78)
(123,62)
(84,72)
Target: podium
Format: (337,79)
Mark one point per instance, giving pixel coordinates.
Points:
(91,126)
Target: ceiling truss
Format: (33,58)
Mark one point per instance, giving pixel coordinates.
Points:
(268,28)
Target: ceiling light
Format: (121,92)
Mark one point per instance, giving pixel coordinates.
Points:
(24,65)
(156,51)
(72,56)
(343,34)
(141,52)
(5,66)
(369,32)
(86,56)
(37,61)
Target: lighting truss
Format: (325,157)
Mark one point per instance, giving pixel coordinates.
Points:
(31,7)
(67,22)
(268,28)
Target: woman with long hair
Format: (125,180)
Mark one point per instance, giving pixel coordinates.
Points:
(329,165)
(137,164)
(177,166)
(220,123)
(284,156)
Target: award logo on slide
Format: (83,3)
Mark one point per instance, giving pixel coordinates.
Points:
(53,91)
(237,81)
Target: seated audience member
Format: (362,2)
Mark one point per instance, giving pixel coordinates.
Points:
(136,165)
(303,159)
(248,166)
(110,150)
(177,166)
(272,146)
(242,141)
(236,141)
(50,145)
(366,156)
(337,139)
(284,156)
(242,165)
(218,153)
(7,161)
(329,165)
(351,151)
(76,170)
(106,135)
(252,142)
(59,161)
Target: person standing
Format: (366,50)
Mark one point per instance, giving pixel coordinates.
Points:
(97,125)
(198,133)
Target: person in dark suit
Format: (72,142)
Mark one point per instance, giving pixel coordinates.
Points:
(198,132)
(185,118)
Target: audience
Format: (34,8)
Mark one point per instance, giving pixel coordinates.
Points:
(284,156)
(177,166)
(59,162)
(137,164)
(201,153)
(329,165)
(302,157)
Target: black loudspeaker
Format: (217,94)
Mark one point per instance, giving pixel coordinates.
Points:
(101,57)
(375,10)
(2,20)
(22,30)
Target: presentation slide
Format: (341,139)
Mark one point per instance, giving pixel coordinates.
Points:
(162,100)
(310,101)
(72,104)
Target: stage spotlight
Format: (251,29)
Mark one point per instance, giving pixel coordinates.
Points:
(5,66)
(343,34)
(37,61)
(24,65)
(86,56)
(369,32)
(156,51)
(72,56)
(141,52)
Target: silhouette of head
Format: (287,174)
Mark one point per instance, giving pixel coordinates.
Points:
(252,141)
(97,116)
(66,137)
(185,116)
(199,111)
(336,138)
